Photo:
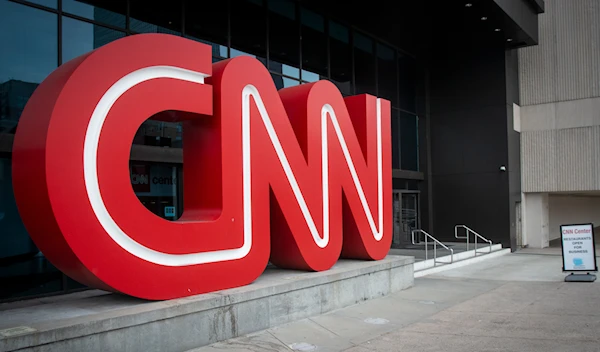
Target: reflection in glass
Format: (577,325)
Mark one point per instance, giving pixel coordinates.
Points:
(407,68)
(283,82)
(47,3)
(23,270)
(387,74)
(341,57)
(409,139)
(161,130)
(82,37)
(206,21)
(156,186)
(310,76)
(248,28)
(395,139)
(364,63)
(236,53)
(284,38)
(155,17)
(28,38)
(112,12)
(314,46)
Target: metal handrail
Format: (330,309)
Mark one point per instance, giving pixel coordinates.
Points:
(469,230)
(435,243)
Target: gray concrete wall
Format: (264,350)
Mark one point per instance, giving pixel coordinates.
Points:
(561,160)
(566,63)
(560,100)
(115,323)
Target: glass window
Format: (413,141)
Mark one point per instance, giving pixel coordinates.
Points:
(387,74)
(161,130)
(24,270)
(206,21)
(155,17)
(109,12)
(314,47)
(409,139)
(341,57)
(82,37)
(156,186)
(283,82)
(395,139)
(364,65)
(28,38)
(248,29)
(408,83)
(284,38)
(47,3)
(308,76)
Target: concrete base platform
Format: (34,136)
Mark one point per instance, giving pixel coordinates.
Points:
(98,321)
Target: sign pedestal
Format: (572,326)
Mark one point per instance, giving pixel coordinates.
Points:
(580,278)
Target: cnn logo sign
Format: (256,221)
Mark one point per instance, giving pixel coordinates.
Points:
(299,177)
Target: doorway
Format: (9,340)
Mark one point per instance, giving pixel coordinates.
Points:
(406,217)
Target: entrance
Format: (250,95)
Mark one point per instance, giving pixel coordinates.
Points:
(406,217)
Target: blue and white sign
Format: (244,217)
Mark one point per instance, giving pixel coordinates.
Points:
(578,247)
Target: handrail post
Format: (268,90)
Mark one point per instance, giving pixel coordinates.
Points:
(426,249)
(429,238)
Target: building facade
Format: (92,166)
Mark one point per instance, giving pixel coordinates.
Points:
(560,122)
(450,70)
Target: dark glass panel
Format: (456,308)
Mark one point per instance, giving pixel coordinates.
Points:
(387,74)
(156,186)
(341,57)
(364,64)
(407,82)
(395,139)
(284,38)
(314,47)
(161,130)
(409,141)
(109,12)
(283,82)
(248,29)
(23,269)
(82,37)
(47,3)
(155,17)
(28,38)
(206,21)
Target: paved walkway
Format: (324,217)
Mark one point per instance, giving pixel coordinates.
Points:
(517,302)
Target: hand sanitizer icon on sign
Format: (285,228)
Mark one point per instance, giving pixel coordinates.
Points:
(577,262)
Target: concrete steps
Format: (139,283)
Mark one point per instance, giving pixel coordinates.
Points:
(428,267)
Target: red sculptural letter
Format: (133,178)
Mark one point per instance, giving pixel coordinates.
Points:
(299,177)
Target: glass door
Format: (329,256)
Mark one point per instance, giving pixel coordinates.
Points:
(406,217)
